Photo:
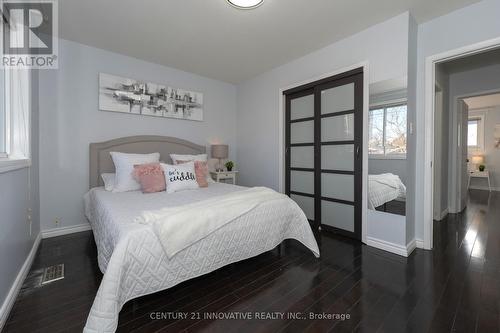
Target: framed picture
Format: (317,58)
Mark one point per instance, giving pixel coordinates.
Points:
(118,94)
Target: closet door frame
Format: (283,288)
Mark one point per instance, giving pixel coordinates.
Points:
(314,88)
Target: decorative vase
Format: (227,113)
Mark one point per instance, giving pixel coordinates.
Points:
(481,168)
(229,168)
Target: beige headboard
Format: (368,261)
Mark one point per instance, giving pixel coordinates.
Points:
(100,159)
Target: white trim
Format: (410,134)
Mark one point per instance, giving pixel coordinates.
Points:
(387,157)
(10,164)
(397,101)
(484,188)
(65,230)
(18,282)
(419,243)
(366,102)
(398,249)
(430,72)
(443,214)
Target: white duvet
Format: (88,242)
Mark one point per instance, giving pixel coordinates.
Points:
(383,188)
(135,263)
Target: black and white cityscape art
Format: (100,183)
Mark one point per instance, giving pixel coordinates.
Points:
(118,94)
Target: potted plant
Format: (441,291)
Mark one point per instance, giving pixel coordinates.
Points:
(229,165)
(482,167)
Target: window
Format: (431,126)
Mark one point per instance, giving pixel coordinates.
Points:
(475,133)
(15,112)
(387,132)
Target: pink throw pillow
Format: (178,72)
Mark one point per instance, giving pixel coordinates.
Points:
(200,170)
(150,176)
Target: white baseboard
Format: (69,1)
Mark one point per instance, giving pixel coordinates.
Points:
(65,230)
(443,214)
(398,249)
(484,188)
(419,243)
(18,282)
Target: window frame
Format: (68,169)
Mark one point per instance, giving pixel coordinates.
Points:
(479,116)
(14,157)
(385,106)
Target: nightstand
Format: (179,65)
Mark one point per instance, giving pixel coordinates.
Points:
(480,174)
(224,176)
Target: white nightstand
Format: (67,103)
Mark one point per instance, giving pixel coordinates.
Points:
(223,176)
(479,174)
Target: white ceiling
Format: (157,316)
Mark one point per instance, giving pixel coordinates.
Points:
(211,38)
(483,102)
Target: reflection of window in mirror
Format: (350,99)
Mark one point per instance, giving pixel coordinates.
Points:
(387,133)
(475,133)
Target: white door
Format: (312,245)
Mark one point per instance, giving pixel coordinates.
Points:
(463,119)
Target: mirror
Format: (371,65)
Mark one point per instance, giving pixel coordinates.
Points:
(387,145)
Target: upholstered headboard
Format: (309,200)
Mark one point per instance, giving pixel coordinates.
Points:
(101,162)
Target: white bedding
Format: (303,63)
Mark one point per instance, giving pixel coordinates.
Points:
(134,262)
(384,188)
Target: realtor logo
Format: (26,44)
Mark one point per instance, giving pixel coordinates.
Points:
(29,34)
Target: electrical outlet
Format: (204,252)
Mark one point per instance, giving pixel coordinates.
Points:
(57,221)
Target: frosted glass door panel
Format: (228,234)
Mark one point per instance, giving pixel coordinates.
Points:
(337,99)
(302,132)
(302,181)
(302,157)
(302,107)
(337,215)
(306,204)
(338,128)
(337,157)
(337,186)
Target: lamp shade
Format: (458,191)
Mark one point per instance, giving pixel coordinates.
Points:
(478,159)
(219,151)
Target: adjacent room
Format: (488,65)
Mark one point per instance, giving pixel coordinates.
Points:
(250,166)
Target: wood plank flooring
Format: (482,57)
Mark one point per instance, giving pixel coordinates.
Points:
(454,288)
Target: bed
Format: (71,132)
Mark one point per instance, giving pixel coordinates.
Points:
(130,254)
(384,188)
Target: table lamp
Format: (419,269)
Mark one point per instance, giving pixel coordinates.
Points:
(220,152)
(477,160)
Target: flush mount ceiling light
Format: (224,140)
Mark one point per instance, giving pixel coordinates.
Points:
(245,4)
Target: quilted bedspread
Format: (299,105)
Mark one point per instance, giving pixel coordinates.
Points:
(134,263)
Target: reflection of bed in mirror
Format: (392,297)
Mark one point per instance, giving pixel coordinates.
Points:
(386,192)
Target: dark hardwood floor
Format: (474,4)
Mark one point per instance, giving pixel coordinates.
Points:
(456,287)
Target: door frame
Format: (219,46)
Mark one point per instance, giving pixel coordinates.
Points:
(281,133)
(429,94)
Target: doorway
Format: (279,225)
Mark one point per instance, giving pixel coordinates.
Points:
(461,63)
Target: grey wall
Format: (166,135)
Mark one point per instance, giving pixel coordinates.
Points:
(70,120)
(442,34)
(411,141)
(18,192)
(384,46)
(397,167)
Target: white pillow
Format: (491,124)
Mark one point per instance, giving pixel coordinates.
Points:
(200,157)
(180,177)
(179,157)
(124,166)
(109,181)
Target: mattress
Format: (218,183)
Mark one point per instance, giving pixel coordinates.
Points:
(134,263)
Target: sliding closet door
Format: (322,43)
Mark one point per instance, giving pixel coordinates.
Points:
(324,122)
(300,157)
(340,144)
